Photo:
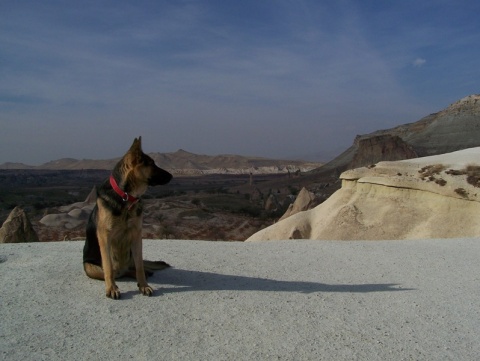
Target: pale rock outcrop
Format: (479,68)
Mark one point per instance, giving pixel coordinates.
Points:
(305,200)
(17,228)
(429,197)
(73,215)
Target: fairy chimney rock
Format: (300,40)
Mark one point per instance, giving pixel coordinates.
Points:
(271,204)
(17,228)
(305,200)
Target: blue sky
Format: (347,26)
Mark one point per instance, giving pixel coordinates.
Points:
(269,78)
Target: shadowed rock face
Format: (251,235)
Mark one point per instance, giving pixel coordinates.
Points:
(17,228)
(381,148)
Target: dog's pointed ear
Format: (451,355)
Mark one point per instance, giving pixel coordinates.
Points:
(136,150)
(137,145)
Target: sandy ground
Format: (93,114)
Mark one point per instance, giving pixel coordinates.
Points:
(281,300)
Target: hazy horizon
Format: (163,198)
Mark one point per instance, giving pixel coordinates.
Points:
(275,79)
(307,158)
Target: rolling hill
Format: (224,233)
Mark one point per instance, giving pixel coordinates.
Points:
(182,162)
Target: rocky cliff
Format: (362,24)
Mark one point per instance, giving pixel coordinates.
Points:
(429,197)
(454,128)
(379,148)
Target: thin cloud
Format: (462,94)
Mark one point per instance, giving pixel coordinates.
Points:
(419,62)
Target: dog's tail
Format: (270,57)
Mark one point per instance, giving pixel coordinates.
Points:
(152,266)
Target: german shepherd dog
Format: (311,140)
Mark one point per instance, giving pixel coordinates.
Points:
(113,246)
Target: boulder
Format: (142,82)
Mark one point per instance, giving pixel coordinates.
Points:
(17,228)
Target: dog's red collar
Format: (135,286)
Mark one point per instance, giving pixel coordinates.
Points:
(125,196)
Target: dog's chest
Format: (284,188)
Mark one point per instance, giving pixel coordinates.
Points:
(123,236)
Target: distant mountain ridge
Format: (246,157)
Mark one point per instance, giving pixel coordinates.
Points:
(11,165)
(182,162)
(453,128)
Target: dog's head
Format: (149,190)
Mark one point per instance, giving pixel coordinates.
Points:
(143,167)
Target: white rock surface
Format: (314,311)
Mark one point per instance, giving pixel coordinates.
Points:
(304,300)
(394,200)
(73,216)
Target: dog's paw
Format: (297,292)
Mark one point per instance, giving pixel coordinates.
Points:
(113,293)
(146,290)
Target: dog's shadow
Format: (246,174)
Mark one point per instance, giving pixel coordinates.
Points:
(189,281)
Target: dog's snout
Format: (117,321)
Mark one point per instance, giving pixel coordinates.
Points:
(160,177)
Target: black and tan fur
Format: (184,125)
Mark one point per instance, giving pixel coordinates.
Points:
(113,246)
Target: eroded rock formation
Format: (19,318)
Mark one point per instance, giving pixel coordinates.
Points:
(305,200)
(17,228)
(429,197)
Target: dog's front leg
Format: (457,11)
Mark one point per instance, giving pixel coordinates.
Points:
(111,289)
(137,254)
